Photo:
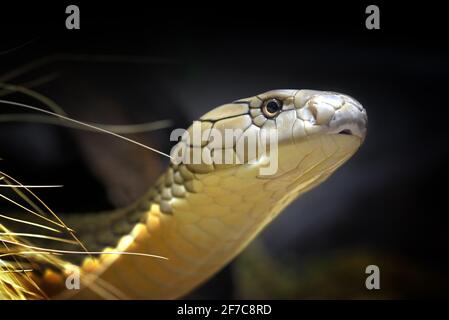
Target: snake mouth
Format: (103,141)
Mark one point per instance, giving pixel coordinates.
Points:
(353,129)
(352,123)
(346,132)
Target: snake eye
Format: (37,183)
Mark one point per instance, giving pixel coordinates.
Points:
(271,108)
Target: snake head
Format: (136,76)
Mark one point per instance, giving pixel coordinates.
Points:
(310,127)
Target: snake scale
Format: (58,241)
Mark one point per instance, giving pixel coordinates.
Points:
(200,216)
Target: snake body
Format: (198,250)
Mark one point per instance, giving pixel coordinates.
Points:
(200,216)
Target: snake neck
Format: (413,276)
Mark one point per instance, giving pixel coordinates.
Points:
(196,217)
(198,221)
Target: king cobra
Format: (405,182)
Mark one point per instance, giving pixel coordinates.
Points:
(200,216)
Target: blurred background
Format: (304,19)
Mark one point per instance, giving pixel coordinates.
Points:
(133,64)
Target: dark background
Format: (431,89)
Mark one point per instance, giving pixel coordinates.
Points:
(387,206)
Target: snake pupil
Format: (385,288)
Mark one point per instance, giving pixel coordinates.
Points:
(272,107)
